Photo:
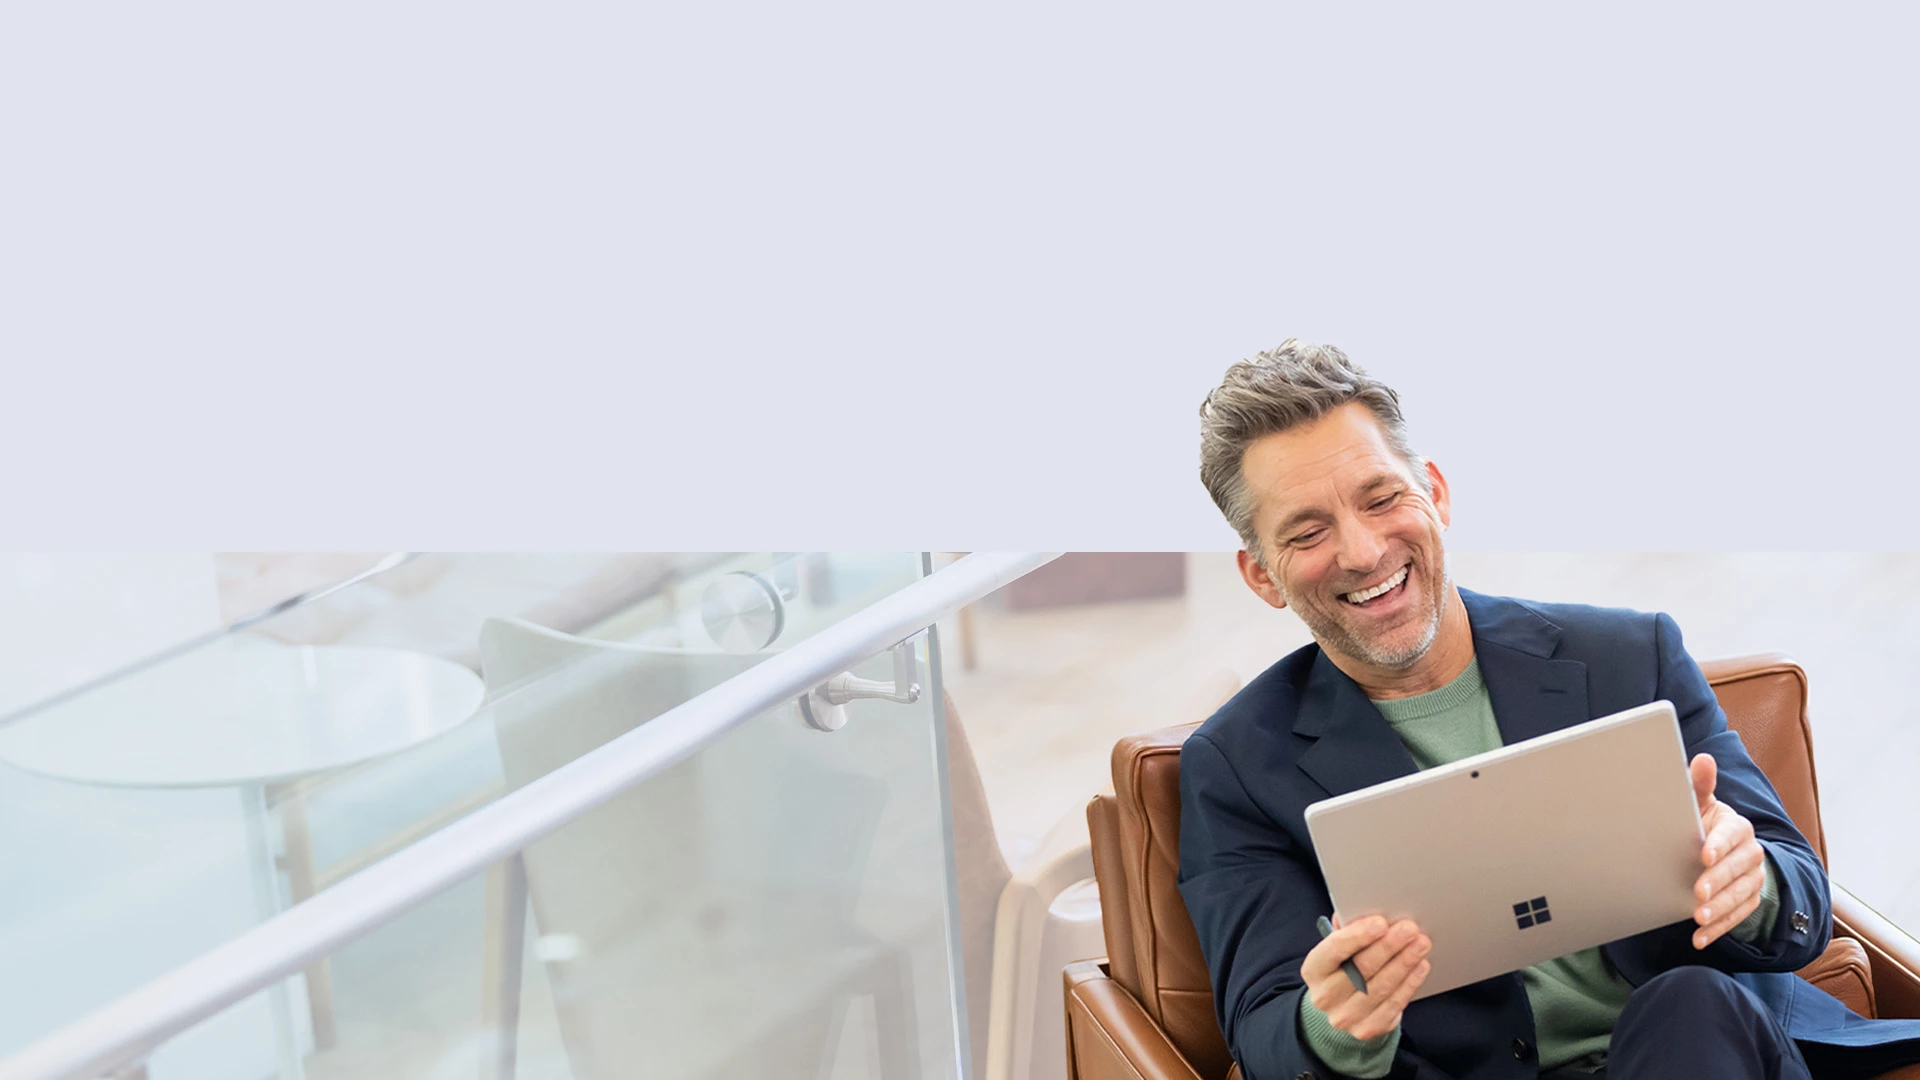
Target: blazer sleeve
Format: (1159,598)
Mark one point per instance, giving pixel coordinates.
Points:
(1801,880)
(1253,894)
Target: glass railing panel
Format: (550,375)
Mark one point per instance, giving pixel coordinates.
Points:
(430,994)
(779,904)
(157,833)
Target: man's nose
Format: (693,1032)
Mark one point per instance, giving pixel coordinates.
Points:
(1360,549)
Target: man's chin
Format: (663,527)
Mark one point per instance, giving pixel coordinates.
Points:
(1398,659)
(1398,650)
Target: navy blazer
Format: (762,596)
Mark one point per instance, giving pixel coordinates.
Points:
(1303,731)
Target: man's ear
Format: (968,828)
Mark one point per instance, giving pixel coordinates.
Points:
(1261,582)
(1441,499)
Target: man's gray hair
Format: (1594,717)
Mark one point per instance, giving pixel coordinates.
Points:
(1280,389)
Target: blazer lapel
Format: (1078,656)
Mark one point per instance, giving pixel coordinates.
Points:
(1532,693)
(1354,745)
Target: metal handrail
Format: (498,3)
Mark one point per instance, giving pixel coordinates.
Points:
(127,1030)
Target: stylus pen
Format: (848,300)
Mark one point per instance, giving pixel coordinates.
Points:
(1352,969)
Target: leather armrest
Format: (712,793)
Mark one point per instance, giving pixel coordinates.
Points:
(1844,971)
(1110,1037)
(1892,952)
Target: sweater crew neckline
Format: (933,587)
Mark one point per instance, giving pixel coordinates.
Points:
(1464,687)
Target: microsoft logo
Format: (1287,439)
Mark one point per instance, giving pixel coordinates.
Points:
(1528,912)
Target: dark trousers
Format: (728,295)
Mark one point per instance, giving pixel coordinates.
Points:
(1695,1023)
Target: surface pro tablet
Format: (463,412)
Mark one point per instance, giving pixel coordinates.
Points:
(1535,850)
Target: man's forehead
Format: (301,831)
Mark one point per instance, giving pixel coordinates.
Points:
(1278,467)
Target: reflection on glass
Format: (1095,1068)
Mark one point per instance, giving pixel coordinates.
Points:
(776,903)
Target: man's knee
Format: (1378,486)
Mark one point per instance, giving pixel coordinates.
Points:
(1698,1022)
(1692,979)
(1692,992)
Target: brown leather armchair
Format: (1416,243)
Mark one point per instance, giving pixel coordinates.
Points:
(1146,1011)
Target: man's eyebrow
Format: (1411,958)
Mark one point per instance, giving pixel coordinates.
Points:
(1298,518)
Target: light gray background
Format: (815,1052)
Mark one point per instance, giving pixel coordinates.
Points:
(698,276)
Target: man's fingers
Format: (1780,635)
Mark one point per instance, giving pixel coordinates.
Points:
(1737,892)
(1386,1016)
(1377,949)
(1381,986)
(1725,832)
(1325,958)
(1327,985)
(1379,1011)
(1712,932)
(1327,995)
(1704,772)
(1740,863)
(1388,978)
(1375,957)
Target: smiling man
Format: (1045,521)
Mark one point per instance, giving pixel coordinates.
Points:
(1308,458)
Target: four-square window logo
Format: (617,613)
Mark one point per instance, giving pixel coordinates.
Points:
(1528,912)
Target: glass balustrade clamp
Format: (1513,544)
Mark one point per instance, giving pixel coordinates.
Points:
(745,612)
(824,708)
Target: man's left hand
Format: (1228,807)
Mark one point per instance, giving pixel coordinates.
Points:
(1729,889)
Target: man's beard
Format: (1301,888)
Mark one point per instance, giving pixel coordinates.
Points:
(1332,634)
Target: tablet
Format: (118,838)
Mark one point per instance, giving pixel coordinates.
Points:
(1532,851)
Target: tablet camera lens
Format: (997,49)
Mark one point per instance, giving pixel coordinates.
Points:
(1476,774)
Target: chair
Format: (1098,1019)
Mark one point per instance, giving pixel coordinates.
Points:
(1146,1012)
(1050,915)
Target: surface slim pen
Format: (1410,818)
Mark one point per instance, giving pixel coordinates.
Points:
(1347,965)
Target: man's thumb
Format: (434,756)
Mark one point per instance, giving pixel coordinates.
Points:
(1704,773)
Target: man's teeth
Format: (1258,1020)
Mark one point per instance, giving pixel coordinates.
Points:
(1365,595)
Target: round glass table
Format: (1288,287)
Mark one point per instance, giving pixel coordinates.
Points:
(257,716)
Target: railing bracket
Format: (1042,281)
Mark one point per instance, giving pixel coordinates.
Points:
(824,707)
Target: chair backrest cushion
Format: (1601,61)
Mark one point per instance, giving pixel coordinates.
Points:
(1172,984)
(1765,699)
(1152,949)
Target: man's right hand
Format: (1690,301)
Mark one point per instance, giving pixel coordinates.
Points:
(1392,958)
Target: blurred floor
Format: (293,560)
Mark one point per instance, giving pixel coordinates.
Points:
(1055,688)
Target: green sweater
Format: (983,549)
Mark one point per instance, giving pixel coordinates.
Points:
(1575,998)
